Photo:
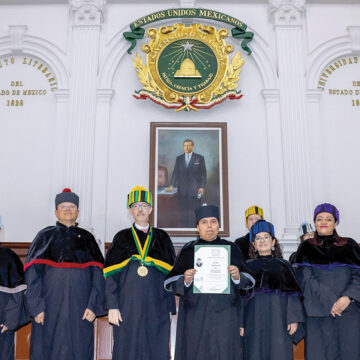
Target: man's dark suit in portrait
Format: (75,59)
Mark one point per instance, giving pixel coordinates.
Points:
(189,177)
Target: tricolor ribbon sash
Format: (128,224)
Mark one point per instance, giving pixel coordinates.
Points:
(141,257)
(142,250)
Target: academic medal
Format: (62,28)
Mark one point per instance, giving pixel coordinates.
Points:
(142,271)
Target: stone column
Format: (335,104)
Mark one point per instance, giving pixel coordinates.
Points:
(276,172)
(313,97)
(87,17)
(101,165)
(287,16)
(61,130)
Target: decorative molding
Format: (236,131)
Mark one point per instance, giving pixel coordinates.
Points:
(271,95)
(354,34)
(118,48)
(44,50)
(62,95)
(17,33)
(287,12)
(105,95)
(323,55)
(87,12)
(313,95)
(261,56)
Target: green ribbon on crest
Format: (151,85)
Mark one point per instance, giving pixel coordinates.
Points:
(237,32)
(133,35)
(246,36)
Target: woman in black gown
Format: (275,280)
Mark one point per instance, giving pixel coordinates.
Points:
(273,313)
(328,269)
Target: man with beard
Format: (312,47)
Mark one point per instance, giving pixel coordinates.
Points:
(135,268)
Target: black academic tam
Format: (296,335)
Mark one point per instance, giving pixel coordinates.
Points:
(208,325)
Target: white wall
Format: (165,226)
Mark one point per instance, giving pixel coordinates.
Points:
(130,137)
(26,150)
(340,128)
(34,139)
(329,21)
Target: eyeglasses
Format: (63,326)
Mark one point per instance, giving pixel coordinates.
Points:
(265,238)
(67,207)
(139,206)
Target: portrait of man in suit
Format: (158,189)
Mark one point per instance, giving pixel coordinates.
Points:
(188,168)
(189,177)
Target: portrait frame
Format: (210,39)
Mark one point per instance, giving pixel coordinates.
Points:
(166,145)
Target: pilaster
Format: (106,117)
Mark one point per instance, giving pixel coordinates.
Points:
(276,171)
(87,17)
(101,165)
(58,182)
(313,97)
(287,17)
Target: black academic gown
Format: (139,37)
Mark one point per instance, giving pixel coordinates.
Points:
(244,245)
(292,258)
(63,273)
(208,325)
(144,304)
(326,273)
(275,303)
(12,289)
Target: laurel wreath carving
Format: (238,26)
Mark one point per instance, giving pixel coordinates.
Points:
(145,78)
(232,75)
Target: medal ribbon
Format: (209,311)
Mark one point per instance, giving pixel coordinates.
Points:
(142,250)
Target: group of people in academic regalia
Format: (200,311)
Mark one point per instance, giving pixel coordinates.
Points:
(316,295)
(270,303)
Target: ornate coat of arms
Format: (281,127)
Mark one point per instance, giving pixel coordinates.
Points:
(188,67)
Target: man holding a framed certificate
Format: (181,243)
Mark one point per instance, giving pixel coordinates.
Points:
(209,275)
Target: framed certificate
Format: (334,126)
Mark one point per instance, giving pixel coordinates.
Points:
(211,263)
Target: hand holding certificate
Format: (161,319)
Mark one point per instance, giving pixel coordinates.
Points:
(211,263)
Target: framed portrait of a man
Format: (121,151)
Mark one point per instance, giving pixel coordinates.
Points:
(188,168)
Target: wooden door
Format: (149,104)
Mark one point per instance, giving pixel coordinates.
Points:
(22,343)
(103,339)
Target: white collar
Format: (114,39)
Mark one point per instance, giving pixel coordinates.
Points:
(142,228)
